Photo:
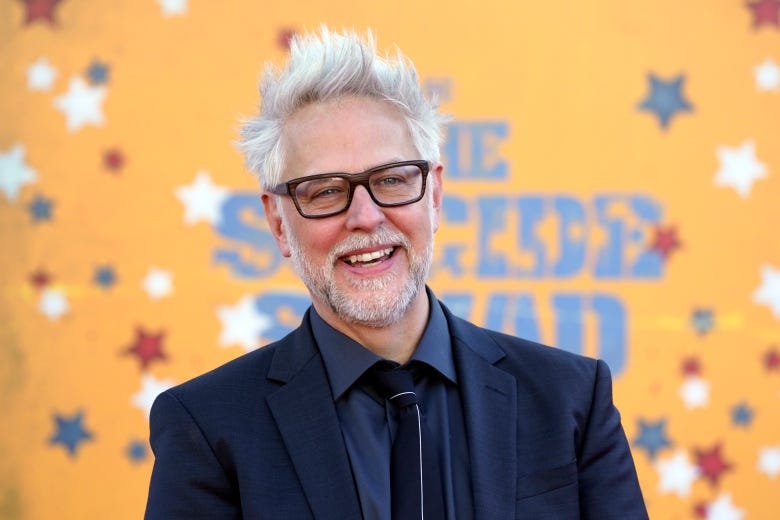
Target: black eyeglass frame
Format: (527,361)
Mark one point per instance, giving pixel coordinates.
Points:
(354,179)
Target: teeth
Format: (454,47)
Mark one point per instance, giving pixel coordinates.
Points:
(368,257)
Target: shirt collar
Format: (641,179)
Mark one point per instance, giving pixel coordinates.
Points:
(346,360)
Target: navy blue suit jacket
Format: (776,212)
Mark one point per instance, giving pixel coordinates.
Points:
(259,437)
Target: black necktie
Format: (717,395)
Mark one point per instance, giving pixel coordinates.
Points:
(415,479)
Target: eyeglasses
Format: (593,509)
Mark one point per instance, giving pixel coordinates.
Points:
(327,194)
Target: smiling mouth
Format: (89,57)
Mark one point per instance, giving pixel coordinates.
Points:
(369,259)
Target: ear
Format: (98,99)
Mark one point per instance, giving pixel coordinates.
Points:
(275,224)
(436,193)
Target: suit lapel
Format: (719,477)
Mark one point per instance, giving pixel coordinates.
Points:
(489,398)
(306,417)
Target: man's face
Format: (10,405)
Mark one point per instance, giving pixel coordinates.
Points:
(367,265)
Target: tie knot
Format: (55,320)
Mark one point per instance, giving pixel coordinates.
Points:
(396,385)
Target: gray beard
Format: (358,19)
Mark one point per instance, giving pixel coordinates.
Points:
(374,306)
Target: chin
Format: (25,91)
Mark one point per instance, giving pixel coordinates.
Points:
(373,302)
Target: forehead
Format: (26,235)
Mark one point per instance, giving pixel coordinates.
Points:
(348,134)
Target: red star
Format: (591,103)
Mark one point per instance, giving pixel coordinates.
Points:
(40,279)
(711,463)
(691,367)
(700,510)
(284,36)
(40,10)
(765,11)
(113,160)
(665,241)
(146,347)
(772,359)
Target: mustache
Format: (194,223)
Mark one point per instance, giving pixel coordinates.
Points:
(381,236)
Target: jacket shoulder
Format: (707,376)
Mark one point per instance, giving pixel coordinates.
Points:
(531,352)
(267,366)
(506,349)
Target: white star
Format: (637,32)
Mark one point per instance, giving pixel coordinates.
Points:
(769,292)
(724,509)
(695,392)
(41,75)
(739,168)
(242,324)
(151,387)
(14,172)
(81,104)
(676,474)
(767,76)
(202,200)
(173,7)
(53,304)
(769,461)
(158,283)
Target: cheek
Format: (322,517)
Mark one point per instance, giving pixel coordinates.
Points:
(419,230)
(316,240)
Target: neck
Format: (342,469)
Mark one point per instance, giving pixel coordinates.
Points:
(396,341)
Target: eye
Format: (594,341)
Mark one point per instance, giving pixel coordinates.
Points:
(326,192)
(321,189)
(394,177)
(390,180)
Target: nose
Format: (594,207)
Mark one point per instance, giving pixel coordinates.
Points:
(363,213)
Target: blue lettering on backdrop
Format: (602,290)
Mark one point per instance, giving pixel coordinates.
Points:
(471,150)
(529,236)
(571,214)
(454,211)
(284,309)
(621,251)
(260,256)
(516,313)
(611,259)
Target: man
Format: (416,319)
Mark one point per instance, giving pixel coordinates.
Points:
(347,151)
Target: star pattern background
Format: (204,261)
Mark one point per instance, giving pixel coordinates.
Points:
(119,184)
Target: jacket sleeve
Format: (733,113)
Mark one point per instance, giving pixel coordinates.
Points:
(188,482)
(608,484)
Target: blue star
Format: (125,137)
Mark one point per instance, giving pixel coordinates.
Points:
(137,451)
(70,432)
(742,415)
(703,321)
(105,276)
(652,437)
(665,98)
(98,72)
(40,208)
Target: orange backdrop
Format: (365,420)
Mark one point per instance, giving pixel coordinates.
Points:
(612,189)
